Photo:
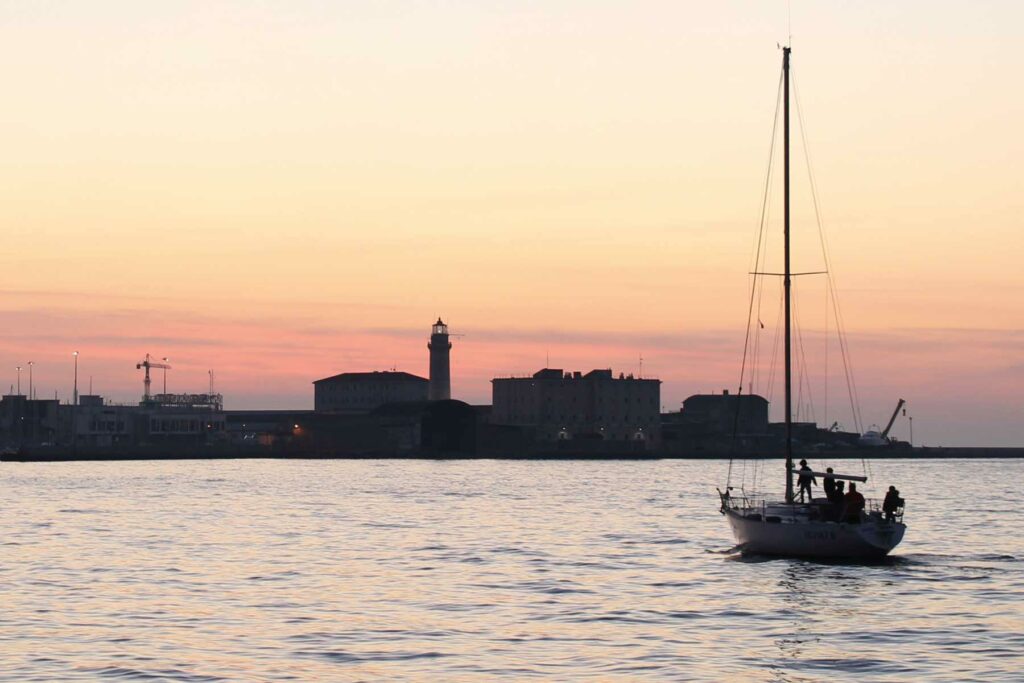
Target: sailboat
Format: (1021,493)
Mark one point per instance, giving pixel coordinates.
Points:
(819,528)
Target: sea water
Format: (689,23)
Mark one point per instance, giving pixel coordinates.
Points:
(490,570)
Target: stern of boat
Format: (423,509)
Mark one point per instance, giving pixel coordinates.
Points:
(764,527)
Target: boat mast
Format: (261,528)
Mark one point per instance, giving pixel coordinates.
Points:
(786,278)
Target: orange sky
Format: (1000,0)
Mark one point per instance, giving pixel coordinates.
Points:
(282,191)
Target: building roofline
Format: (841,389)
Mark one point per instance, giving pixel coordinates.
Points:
(374,375)
(577,376)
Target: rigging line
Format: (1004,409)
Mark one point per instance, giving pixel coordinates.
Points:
(840,322)
(756,362)
(762,264)
(801,349)
(844,348)
(826,359)
(755,351)
(753,289)
(768,174)
(796,357)
(774,360)
(807,373)
(844,355)
(851,385)
(760,236)
(800,370)
(801,362)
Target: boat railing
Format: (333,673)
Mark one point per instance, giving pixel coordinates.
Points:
(742,500)
(760,506)
(876,507)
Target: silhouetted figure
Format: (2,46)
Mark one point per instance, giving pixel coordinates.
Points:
(805,481)
(837,500)
(829,485)
(891,504)
(853,504)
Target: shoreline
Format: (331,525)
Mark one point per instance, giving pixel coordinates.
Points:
(918,453)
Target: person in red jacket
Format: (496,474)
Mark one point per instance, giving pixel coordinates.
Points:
(853,504)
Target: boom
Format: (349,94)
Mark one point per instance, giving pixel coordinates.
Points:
(885,432)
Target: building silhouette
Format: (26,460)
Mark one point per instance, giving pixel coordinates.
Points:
(28,421)
(167,420)
(719,423)
(725,413)
(572,407)
(361,392)
(440,363)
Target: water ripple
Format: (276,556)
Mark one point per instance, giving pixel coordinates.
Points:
(462,570)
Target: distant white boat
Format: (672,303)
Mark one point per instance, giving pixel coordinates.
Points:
(874,436)
(819,528)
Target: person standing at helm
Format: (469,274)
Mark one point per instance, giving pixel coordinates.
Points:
(805,481)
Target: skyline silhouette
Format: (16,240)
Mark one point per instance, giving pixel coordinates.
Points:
(284,193)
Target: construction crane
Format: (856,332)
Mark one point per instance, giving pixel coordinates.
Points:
(147,364)
(885,432)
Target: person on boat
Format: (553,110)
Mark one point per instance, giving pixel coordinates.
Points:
(891,504)
(837,500)
(829,485)
(805,482)
(853,504)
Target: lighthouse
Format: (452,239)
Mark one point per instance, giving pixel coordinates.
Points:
(440,364)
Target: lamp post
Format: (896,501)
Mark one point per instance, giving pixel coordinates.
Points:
(165,375)
(911,418)
(75,393)
(30,394)
(18,368)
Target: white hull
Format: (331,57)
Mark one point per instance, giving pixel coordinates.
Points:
(799,536)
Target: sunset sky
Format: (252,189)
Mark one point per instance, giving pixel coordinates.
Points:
(281,191)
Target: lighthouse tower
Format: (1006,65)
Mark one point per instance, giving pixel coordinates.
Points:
(440,364)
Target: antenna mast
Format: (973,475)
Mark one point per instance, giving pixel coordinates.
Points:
(786,278)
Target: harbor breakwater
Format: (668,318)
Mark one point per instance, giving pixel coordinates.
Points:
(68,454)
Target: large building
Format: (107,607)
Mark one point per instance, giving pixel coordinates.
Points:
(360,392)
(182,418)
(562,406)
(160,420)
(726,413)
(25,421)
(185,420)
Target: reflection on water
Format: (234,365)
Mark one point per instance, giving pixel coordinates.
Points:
(203,571)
